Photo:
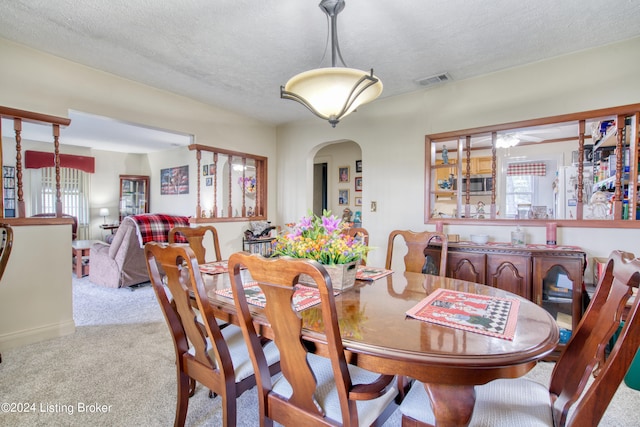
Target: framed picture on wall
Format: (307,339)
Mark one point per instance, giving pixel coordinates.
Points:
(358,166)
(358,200)
(343,174)
(358,181)
(343,197)
(205,170)
(174,180)
(209,182)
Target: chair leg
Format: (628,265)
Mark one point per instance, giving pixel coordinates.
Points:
(228,410)
(404,384)
(192,387)
(184,386)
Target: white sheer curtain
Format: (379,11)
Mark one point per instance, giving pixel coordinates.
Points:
(75,187)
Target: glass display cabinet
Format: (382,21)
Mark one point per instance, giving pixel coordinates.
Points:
(134,195)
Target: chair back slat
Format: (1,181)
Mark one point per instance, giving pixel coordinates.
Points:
(415,260)
(359,234)
(6,244)
(195,236)
(277,279)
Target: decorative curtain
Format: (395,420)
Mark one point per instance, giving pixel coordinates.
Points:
(529,168)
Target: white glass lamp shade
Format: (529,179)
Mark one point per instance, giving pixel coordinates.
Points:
(104,212)
(333,93)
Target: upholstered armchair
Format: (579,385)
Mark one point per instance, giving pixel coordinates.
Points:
(122,263)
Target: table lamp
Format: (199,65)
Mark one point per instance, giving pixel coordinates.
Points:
(104,212)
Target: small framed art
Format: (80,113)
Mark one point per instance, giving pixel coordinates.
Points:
(358,200)
(343,197)
(358,183)
(343,174)
(358,166)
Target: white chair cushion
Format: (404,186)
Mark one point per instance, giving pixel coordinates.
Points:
(505,402)
(326,394)
(242,365)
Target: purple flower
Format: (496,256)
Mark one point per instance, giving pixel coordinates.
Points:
(331,223)
(305,223)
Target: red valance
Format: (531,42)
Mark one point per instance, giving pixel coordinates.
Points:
(41,159)
(530,168)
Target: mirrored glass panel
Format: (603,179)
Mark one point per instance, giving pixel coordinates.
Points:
(232,186)
(574,167)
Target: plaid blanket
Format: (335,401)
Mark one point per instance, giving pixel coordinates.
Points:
(155,227)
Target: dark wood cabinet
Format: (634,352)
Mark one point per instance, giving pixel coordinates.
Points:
(466,266)
(134,195)
(510,273)
(552,277)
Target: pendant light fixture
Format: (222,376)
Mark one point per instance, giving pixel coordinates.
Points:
(334,92)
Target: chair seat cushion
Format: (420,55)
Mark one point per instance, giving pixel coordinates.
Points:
(242,366)
(326,394)
(503,402)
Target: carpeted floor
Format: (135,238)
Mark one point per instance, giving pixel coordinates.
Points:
(118,369)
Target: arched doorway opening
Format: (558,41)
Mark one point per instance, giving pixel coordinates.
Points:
(337,179)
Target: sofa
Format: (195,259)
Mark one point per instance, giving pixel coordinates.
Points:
(122,262)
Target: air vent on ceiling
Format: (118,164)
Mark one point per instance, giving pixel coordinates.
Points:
(434,80)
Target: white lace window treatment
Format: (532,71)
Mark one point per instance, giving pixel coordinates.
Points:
(74,193)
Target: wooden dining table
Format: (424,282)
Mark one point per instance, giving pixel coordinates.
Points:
(380,337)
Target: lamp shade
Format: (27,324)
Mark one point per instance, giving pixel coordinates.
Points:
(104,212)
(334,92)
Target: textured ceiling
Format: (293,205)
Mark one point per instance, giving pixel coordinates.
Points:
(236,53)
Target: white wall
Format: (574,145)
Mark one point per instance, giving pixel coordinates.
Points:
(105,184)
(42,83)
(391,134)
(35,290)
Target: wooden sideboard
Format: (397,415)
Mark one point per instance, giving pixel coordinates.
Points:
(552,277)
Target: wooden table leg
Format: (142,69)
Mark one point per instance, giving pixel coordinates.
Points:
(81,268)
(452,405)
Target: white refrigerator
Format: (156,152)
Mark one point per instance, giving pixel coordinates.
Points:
(566,191)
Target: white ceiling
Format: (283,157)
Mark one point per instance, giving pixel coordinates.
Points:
(236,53)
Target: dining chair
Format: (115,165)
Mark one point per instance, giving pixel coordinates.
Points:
(415,260)
(360,234)
(6,243)
(215,357)
(524,402)
(313,389)
(195,236)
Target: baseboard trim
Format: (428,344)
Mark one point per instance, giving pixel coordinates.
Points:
(34,335)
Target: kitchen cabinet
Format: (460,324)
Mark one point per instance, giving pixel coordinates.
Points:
(134,195)
(481,165)
(552,277)
(444,171)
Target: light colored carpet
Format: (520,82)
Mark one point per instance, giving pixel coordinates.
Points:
(118,369)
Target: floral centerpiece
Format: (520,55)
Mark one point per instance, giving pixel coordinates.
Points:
(323,239)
